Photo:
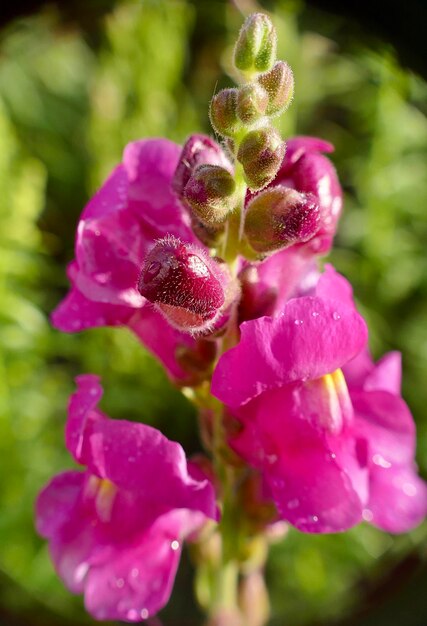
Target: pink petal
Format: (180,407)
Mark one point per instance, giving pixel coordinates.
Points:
(137,581)
(386,375)
(129,454)
(110,198)
(312,337)
(77,313)
(385,421)
(299,463)
(150,165)
(398,500)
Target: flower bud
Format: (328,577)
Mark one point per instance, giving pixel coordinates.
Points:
(252,101)
(279,85)
(210,194)
(280,217)
(184,283)
(261,154)
(255,49)
(197,150)
(223,112)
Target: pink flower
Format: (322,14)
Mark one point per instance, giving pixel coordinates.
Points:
(397,496)
(118,227)
(330,453)
(116,529)
(272,282)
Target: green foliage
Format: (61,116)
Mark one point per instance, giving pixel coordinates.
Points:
(67,108)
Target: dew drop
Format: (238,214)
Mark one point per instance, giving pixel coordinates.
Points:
(81,572)
(333,455)
(315,314)
(336,316)
(120,583)
(409,489)
(298,322)
(367,515)
(313,518)
(380,460)
(134,572)
(144,613)
(175,545)
(132,614)
(293,504)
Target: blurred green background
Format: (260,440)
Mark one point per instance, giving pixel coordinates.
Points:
(72,94)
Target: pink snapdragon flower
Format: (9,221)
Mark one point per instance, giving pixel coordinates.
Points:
(118,227)
(268,285)
(116,530)
(331,453)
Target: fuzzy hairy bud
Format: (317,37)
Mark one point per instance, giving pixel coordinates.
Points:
(210,193)
(280,217)
(279,85)
(252,101)
(197,150)
(261,153)
(184,283)
(223,112)
(255,49)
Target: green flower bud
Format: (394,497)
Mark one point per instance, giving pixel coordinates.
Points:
(252,101)
(280,217)
(261,153)
(210,194)
(255,49)
(223,112)
(279,85)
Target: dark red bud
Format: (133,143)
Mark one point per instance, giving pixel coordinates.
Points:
(197,150)
(184,283)
(280,217)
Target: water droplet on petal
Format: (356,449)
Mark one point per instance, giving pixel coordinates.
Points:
(132,615)
(315,314)
(144,613)
(367,515)
(293,504)
(175,545)
(336,316)
(134,572)
(298,322)
(81,572)
(313,518)
(409,489)
(380,460)
(333,455)
(120,583)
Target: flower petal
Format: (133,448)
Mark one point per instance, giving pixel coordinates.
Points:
(398,499)
(150,165)
(137,581)
(299,463)
(313,336)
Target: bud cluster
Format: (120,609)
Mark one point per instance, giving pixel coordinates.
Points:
(243,114)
